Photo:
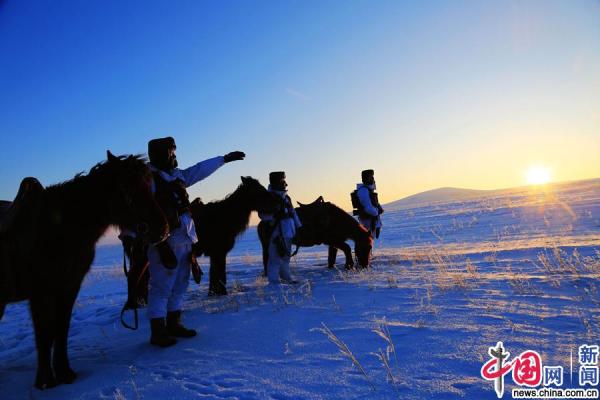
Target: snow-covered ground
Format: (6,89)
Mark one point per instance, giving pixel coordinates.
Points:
(448,281)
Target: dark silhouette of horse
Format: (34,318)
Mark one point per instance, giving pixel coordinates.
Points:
(325,223)
(217,224)
(63,223)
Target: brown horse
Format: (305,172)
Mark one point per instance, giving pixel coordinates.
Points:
(325,223)
(63,223)
(217,224)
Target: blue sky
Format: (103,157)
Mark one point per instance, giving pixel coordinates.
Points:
(429,94)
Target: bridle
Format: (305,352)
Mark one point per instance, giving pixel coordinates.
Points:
(142,227)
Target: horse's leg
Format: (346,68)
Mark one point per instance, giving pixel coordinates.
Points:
(331,256)
(348,253)
(60,358)
(218,275)
(42,313)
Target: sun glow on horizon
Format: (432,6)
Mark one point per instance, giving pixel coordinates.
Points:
(538,175)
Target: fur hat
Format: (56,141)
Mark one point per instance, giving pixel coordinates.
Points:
(366,174)
(158,151)
(276,176)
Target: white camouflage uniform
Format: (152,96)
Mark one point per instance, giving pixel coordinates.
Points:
(374,221)
(167,286)
(278,267)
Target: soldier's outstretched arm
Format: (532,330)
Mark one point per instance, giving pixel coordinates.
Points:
(201,170)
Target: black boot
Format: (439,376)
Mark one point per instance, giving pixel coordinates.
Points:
(159,335)
(175,328)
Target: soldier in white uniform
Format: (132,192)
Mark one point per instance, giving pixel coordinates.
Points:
(284,224)
(171,260)
(366,203)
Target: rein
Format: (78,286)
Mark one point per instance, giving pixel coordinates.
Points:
(134,292)
(295,251)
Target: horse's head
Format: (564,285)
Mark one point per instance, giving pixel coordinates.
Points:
(363,245)
(258,197)
(132,203)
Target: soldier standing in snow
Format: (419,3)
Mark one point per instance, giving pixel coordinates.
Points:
(171,260)
(366,203)
(284,224)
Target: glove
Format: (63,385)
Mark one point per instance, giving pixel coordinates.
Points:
(167,257)
(380,210)
(234,156)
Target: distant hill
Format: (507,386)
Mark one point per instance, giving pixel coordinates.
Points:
(450,194)
(440,195)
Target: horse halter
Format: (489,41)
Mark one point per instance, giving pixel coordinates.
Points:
(142,227)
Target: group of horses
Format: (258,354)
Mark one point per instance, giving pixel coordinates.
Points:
(48,237)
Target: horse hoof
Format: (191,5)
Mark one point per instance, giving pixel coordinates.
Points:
(47,382)
(66,375)
(219,291)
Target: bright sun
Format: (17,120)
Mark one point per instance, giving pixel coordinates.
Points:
(538,175)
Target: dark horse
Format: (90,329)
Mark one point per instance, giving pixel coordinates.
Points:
(63,223)
(325,223)
(218,224)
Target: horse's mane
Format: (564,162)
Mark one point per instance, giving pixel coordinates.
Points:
(349,219)
(235,192)
(339,211)
(134,160)
(231,210)
(135,163)
(77,196)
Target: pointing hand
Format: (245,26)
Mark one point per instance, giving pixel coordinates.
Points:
(234,156)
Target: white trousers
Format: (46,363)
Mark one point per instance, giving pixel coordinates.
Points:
(167,286)
(278,266)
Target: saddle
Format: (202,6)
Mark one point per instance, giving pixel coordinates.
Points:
(315,222)
(14,214)
(18,232)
